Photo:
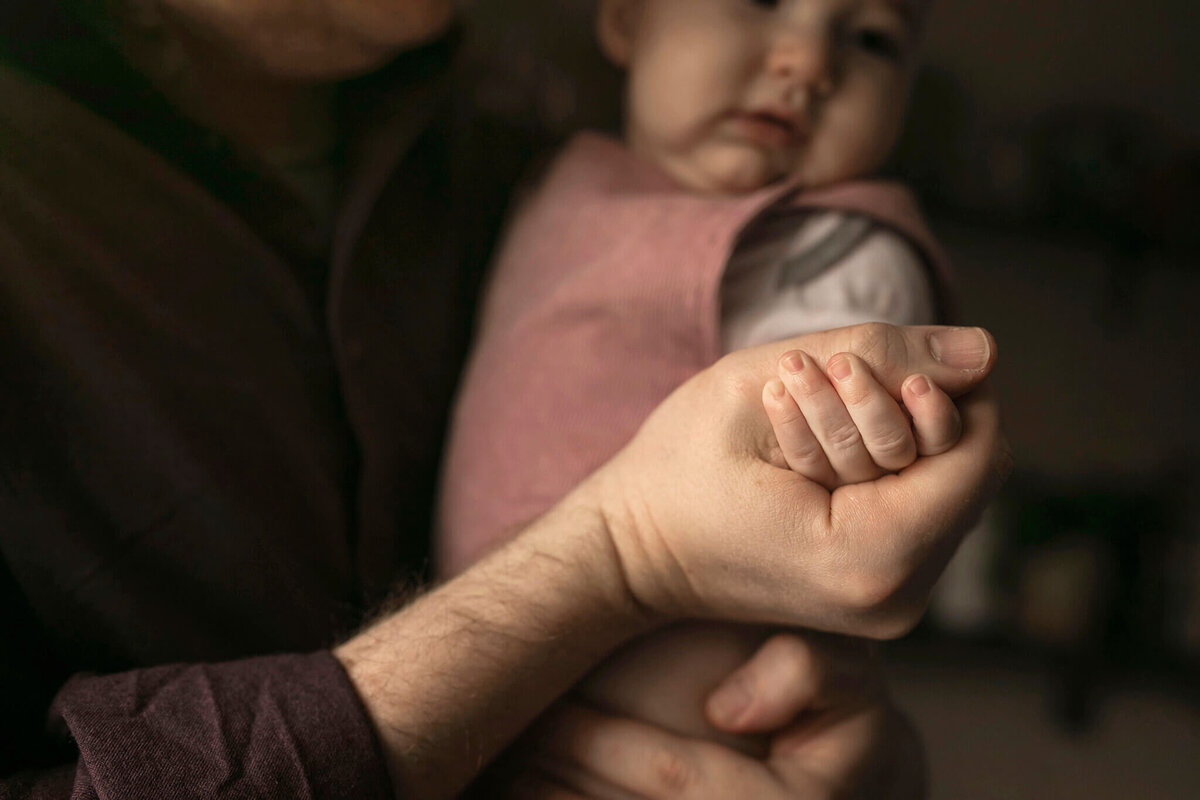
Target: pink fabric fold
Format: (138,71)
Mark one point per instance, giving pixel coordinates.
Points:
(603,299)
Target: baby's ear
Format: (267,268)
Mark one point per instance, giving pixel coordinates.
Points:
(616,26)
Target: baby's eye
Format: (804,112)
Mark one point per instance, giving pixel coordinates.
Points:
(880,43)
(766,3)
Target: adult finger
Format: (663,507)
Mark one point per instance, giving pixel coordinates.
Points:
(793,673)
(885,431)
(936,424)
(842,750)
(652,763)
(828,418)
(860,752)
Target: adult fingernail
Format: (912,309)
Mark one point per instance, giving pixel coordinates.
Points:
(727,705)
(961,348)
(920,386)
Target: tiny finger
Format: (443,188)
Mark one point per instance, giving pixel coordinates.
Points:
(800,448)
(936,422)
(885,430)
(828,418)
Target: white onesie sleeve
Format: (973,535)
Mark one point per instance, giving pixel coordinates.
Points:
(813,271)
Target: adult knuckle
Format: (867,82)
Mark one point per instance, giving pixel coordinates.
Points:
(672,771)
(882,627)
(736,384)
(875,342)
(870,591)
(894,614)
(900,621)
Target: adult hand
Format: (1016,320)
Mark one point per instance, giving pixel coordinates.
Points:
(835,734)
(698,516)
(707,520)
(301,39)
(851,741)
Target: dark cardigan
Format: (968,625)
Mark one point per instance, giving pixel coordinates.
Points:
(220,420)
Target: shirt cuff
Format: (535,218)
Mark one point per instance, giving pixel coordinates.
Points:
(289,726)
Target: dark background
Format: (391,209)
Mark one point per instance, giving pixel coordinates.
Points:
(1056,145)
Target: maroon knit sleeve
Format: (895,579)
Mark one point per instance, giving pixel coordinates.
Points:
(273,727)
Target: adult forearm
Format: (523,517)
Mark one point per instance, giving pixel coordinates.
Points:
(455,676)
(696,517)
(446,683)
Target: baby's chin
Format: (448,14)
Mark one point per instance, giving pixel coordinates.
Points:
(728,173)
(739,171)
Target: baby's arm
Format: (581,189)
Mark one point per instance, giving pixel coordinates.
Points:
(836,425)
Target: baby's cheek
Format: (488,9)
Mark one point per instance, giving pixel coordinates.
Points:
(852,142)
(666,677)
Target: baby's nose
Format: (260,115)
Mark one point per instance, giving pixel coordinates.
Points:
(802,57)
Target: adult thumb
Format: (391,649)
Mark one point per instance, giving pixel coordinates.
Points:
(957,359)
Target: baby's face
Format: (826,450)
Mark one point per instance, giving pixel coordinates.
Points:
(731,95)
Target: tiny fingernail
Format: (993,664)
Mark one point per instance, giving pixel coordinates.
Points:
(775,388)
(919,386)
(840,368)
(793,362)
(961,348)
(727,705)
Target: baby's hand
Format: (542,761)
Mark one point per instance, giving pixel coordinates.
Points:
(846,428)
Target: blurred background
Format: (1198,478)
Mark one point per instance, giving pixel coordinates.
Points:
(1056,146)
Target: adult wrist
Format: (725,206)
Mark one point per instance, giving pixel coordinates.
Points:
(457,675)
(578,536)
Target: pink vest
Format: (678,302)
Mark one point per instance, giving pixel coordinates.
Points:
(604,298)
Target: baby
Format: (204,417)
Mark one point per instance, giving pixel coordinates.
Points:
(737,211)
